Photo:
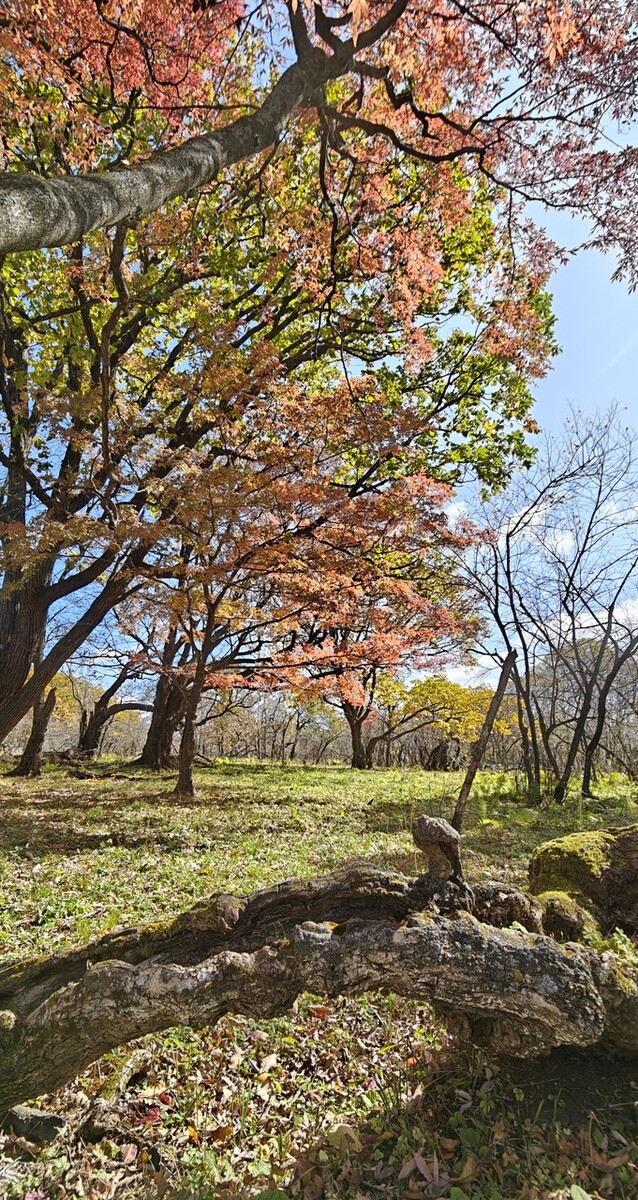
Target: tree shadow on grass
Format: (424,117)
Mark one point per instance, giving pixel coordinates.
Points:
(571,1084)
(75,815)
(499,1122)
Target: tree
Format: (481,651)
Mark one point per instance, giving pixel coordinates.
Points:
(103,709)
(416,611)
(448,710)
(478,749)
(370,639)
(559,576)
(521,96)
(133,363)
(30,763)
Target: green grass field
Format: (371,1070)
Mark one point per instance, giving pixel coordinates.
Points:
(355,1099)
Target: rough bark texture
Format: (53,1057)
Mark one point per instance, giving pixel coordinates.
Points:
(357,930)
(168,711)
(36,212)
(30,763)
(355,716)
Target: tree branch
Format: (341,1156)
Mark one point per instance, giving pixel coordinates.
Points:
(357,930)
(36,212)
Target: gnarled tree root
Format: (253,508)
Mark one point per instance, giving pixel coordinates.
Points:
(344,934)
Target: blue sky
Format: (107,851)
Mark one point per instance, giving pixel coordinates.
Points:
(598,332)
(597,329)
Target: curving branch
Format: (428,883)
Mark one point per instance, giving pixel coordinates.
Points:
(36,212)
(357,930)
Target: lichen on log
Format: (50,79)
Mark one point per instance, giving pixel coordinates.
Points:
(357,930)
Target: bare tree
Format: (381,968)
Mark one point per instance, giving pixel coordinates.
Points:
(558,574)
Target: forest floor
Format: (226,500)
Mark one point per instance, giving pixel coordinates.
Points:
(355,1099)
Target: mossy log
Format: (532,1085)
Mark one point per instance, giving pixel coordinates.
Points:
(596,868)
(357,930)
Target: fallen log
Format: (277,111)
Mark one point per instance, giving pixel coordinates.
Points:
(357,930)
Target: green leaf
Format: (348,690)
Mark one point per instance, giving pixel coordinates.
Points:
(457,1193)
(272,1194)
(578,1193)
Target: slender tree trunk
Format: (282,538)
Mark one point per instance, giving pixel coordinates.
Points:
(588,767)
(601,714)
(529,746)
(185,785)
(478,749)
(560,791)
(31,760)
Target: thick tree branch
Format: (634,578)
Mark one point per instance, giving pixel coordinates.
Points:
(36,212)
(344,934)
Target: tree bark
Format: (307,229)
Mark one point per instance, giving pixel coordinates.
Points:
(93,724)
(36,213)
(360,760)
(601,712)
(19,698)
(100,718)
(185,785)
(30,763)
(355,716)
(357,930)
(168,708)
(478,750)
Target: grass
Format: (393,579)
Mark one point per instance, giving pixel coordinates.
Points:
(354,1099)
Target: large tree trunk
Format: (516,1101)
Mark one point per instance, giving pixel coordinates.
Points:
(99,720)
(355,931)
(93,723)
(18,699)
(355,717)
(168,710)
(92,727)
(36,212)
(30,763)
(360,760)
